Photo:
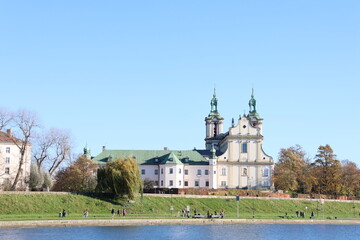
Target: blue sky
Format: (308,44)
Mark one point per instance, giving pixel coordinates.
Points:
(140,74)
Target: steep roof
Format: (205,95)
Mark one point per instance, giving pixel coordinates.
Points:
(171,158)
(154,157)
(6,138)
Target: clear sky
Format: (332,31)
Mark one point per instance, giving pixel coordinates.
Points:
(140,74)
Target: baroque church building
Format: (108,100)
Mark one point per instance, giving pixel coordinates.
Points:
(232,159)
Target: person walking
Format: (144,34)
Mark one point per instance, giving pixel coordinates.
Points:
(112,212)
(222,213)
(124,212)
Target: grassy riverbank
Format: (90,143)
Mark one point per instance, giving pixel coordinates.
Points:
(48,206)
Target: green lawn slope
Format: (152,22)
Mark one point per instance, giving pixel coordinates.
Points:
(48,206)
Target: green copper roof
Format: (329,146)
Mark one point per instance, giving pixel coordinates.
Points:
(252,106)
(154,157)
(213,104)
(171,159)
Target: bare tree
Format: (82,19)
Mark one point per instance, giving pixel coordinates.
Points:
(25,122)
(5,118)
(62,149)
(52,149)
(43,148)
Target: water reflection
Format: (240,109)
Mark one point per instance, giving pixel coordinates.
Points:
(208,232)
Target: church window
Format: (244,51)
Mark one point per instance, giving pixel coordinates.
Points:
(244,148)
(197,184)
(171,182)
(266,172)
(156,172)
(7,160)
(244,126)
(186,183)
(223,171)
(186,172)
(162,183)
(180,170)
(162,171)
(171,170)
(179,183)
(142,171)
(207,183)
(7,149)
(223,183)
(199,172)
(206,172)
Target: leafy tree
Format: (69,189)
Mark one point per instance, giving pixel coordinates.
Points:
(6,185)
(327,170)
(120,177)
(78,177)
(148,184)
(47,180)
(36,178)
(350,178)
(290,168)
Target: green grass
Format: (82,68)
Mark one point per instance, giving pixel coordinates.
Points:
(48,206)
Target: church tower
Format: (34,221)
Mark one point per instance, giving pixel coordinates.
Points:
(214,125)
(253,116)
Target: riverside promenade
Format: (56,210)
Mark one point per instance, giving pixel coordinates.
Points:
(139,222)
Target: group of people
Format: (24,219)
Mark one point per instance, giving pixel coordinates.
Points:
(86,213)
(221,215)
(186,213)
(62,213)
(118,212)
(302,214)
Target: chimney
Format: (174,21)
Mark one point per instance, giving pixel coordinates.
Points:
(103,148)
(9,132)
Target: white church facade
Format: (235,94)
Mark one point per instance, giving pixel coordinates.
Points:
(234,159)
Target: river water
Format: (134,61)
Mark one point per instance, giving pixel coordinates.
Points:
(186,232)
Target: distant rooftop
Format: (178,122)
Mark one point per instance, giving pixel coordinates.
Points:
(154,157)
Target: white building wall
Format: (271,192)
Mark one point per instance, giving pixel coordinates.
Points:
(149,172)
(193,176)
(11,161)
(234,159)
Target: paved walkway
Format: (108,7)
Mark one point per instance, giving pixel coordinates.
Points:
(134,222)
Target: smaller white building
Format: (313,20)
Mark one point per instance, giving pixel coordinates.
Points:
(9,161)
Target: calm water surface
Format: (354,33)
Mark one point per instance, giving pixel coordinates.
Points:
(236,231)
